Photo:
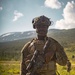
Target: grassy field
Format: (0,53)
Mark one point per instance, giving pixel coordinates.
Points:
(9,67)
(13,68)
(63,71)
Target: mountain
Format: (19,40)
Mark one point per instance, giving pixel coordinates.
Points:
(63,35)
(11,36)
(55,33)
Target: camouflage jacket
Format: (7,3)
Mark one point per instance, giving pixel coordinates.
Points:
(50,67)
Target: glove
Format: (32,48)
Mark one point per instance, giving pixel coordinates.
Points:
(68,66)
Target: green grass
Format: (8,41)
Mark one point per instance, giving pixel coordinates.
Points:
(9,68)
(63,70)
(13,68)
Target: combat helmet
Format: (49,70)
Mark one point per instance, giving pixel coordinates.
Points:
(41,20)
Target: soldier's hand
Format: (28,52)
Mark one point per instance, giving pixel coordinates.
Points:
(27,62)
(68,66)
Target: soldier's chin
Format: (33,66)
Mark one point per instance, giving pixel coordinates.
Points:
(42,34)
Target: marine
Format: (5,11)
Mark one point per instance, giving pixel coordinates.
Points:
(53,54)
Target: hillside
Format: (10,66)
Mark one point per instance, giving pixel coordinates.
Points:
(67,36)
(55,33)
(11,49)
(12,36)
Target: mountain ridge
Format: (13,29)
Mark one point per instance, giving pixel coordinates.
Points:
(55,33)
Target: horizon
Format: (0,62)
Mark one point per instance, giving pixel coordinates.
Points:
(32,31)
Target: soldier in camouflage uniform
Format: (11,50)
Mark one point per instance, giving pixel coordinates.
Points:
(54,54)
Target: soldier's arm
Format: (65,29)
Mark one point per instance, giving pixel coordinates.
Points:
(24,54)
(61,57)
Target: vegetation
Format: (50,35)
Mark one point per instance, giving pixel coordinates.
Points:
(9,68)
(13,68)
(11,50)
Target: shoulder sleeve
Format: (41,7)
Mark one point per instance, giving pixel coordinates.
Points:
(61,57)
(24,53)
(24,49)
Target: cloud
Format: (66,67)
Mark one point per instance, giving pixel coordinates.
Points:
(54,4)
(1,8)
(17,15)
(68,20)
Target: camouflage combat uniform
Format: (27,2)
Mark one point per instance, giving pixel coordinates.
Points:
(54,53)
(49,68)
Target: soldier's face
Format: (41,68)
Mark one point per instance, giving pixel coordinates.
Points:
(42,30)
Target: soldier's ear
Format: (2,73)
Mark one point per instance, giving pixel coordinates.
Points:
(33,24)
(32,21)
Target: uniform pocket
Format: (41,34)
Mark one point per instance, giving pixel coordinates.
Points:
(51,66)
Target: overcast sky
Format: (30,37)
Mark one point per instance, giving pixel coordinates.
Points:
(17,15)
